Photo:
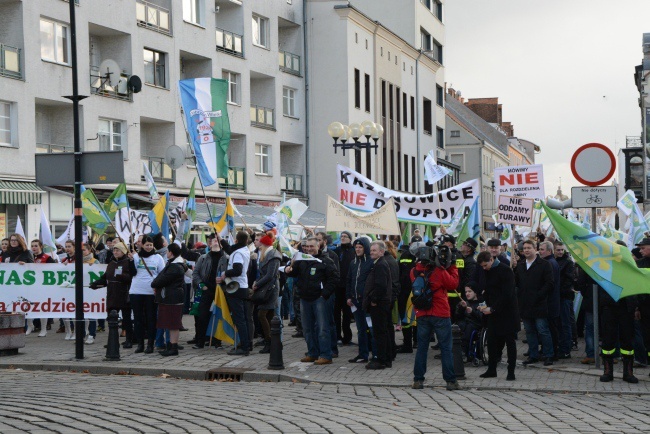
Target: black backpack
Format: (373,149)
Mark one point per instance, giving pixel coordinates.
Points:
(422,298)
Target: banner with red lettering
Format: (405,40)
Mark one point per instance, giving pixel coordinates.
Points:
(359,193)
(47,290)
(521,181)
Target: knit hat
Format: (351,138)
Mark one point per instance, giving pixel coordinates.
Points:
(268,226)
(349,234)
(121,247)
(266,240)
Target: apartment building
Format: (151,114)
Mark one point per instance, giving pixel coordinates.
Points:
(360,68)
(257,45)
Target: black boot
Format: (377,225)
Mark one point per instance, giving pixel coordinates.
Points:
(511,373)
(149,348)
(127,343)
(491,371)
(166,348)
(172,350)
(407,347)
(140,348)
(628,371)
(267,347)
(608,369)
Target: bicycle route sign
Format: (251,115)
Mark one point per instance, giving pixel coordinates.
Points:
(594,197)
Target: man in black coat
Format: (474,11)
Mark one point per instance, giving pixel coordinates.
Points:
(546,252)
(466,263)
(322,238)
(644,300)
(501,312)
(406,263)
(534,279)
(376,301)
(342,313)
(567,280)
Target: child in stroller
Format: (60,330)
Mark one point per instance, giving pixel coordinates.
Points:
(470,320)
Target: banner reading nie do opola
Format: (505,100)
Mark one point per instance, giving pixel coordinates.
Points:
(47,290)
(361,194)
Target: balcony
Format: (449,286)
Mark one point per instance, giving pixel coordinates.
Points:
(99,85)
(289,62)
(236,179)
(292,184)
(10,62)
(262,117)
(49,148)
(229,42)
(153,17)
(160,171)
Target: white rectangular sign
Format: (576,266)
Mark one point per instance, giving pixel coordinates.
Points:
(139,223)
(521,181)
(47,290)
(594,197)
(380,222)
(515,210)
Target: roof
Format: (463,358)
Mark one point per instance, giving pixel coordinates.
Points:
(476,125)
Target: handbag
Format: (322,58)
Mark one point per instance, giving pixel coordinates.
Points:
(262,296)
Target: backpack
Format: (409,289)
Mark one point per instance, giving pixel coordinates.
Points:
(422,298)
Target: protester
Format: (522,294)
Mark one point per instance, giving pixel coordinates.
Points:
(323,238)
(18,253)
(342,313)
(145,265)
(4,245)
(443,277)
(466,263)
(546,252)
(39,258)
(584,284)
(69,258)
(91,324)
(377,302)
(355,287)
(169,287)
(318,278)
(501,312)
(644,300)
(567,280)
(268,282)
(406,263)
(534,279)
(105,256)
(468,317)
(390,255)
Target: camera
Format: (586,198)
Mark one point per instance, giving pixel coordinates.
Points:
(425,254)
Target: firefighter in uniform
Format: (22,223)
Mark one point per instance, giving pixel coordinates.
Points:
(406,263)
(454,297)
(644,300)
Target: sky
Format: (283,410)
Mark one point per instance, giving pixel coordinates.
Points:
(562,69)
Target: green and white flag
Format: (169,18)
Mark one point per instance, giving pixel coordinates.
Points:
(151,185)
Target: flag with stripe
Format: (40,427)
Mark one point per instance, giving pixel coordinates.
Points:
(225,223)
(221,325)
(94,212)
(471,227)
(151,185)
(204,102)
(159,216)
(116,201)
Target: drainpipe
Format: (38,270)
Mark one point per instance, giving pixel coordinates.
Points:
(307,117)
(417,119)
(375,93)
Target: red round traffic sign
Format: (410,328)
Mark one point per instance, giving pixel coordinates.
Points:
(593,164)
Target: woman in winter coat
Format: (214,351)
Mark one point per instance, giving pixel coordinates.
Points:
(270,260)
(145,266)
(17,251)
(170,296)
(117,280)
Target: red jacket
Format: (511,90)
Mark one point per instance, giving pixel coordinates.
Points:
(442,281)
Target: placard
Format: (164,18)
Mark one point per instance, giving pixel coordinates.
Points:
(380,222)
(515,210)
(520,181)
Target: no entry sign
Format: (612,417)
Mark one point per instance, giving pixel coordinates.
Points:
(593,164)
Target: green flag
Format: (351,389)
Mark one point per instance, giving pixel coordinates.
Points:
(116,201)
(471,227)
(609,264)
(94,212)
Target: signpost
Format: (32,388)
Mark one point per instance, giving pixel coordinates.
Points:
(594,197)
(593,164)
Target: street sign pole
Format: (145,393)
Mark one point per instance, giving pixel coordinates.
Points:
(595,304)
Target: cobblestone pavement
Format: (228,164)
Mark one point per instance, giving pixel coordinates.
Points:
(54,353)
(38,402)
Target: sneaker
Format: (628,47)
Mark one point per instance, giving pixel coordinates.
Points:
(453,386)
(30,329)
(548,362)
(358,359)
(574,347)
(322,361)
(89,340)
(530,361)
(308,359)
(418,385)
(43,333)
(69,337)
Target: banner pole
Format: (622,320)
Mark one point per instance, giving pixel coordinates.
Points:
(595,298)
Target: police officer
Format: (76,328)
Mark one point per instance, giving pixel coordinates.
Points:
(455,296)
(406,263)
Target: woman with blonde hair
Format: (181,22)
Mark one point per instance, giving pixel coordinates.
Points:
(268,286)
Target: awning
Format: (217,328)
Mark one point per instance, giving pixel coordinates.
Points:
(20,193)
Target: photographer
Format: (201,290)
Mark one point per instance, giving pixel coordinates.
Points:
(441,276)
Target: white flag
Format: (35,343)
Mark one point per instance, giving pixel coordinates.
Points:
(19,229)
(69,233)
(433,172)
(300,256)
(46,233)
(627,202)
(151,185)
(285,247)
(293,209)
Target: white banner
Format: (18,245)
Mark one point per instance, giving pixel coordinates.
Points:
(381,222)
(361,194)
(140,224)
(515,210)
(47,290)
(432,171)
(521,181)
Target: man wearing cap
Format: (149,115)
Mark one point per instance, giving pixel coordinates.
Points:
(342,314)
(406,263)
(644,300)
(466,263)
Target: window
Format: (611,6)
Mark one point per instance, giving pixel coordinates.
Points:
(262,159)
(437,52)
(260,31)
(440,96)
(440,137)
(233,86)
(154,68)
(356,38)
(427,116)
(367,89)
(357,89)
(455,133)
(404,109)
(193,11)
(413,113)
(438,9)
(425,40)
(397,105)
(110,135)
(289,102)
(7,129)
(55,45)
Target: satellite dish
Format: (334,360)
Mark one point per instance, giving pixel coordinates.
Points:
(109,71)
(174,157)
(135,84)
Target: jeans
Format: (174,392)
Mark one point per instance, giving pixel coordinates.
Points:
(566,336)
(362,332)
(589,334)
(316,327)
(380,319)
(238,313)
(332,327)
(91,327)
(144,317)
(162,337)
(534,326)
(442,328)
(286,303)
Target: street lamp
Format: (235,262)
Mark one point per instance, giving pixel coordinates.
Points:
(355,131)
